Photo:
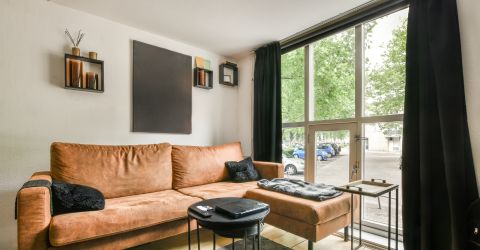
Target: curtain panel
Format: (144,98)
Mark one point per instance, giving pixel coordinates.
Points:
(267,114)
(438,176)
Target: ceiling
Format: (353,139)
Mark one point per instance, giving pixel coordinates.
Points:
(228,27)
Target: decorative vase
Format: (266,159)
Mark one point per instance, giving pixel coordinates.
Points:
(92,55)
(92,80)
(202,78)
(76,73)
(76,51)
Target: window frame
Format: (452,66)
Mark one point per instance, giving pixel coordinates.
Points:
(360,118)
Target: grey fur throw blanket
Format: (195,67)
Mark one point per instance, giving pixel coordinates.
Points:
(298,188)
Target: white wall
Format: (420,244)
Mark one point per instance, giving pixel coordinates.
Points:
(470,38)
(245,102)
(35,110)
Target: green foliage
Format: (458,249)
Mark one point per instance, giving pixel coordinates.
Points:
(292,137)
(293,86)
(334,76)
(386,82)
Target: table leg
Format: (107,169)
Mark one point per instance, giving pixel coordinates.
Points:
(352,205)
(245,240)
(258,236)
(396,221)
(253,242)
(233,243)
(360,222)
(214,245)
(389,217)
(198,236)
(310,245)
(188,222)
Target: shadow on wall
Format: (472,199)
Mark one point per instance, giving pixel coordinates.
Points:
(56,68)
(8,225)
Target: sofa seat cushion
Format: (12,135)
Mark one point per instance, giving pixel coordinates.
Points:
(219,189)
(120,215)
(308,211)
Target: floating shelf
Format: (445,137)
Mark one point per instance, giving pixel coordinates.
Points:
(84,89)
(81,66)
(202,78)
(228,74)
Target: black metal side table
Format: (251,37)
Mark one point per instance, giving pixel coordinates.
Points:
(373,188)
(225,226)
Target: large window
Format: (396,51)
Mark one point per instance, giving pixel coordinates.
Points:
(342,103)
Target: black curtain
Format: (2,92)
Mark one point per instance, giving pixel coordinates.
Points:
(267,114)
(438,173)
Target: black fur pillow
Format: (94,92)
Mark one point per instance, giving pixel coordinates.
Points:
(69,198)
(242,171)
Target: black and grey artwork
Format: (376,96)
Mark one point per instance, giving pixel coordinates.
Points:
(162,90)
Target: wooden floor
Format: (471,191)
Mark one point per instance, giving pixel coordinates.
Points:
(180,242)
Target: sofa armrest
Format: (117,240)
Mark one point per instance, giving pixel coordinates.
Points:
(34,214)
(269,170)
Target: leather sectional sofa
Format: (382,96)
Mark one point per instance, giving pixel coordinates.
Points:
(148,189)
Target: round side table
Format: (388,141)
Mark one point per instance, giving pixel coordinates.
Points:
(226,226)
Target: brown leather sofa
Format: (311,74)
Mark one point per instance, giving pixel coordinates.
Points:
(148,189)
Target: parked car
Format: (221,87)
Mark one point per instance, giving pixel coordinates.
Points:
(293,166)
(327,148)
(300,153)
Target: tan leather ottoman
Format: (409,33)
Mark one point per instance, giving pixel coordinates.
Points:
(312,220)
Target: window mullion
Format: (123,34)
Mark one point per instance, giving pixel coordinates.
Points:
(359,71)
(309,107)
(359,95)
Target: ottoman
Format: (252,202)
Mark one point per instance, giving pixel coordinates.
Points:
(312,220)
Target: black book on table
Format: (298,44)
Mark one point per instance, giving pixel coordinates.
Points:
(241,208)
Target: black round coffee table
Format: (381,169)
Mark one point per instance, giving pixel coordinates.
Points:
(226,226)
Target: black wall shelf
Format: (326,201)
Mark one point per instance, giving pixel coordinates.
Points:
(202,78)
(78,64)
(228,74)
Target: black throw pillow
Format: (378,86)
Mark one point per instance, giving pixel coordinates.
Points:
(69,198)
(242,171)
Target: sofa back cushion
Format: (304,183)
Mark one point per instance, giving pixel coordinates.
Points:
(193,166)
(116,171)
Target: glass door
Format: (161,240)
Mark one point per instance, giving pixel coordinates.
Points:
(332,154)
(382,150)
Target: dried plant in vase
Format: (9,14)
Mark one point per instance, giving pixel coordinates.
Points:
(75,67)
(75,42)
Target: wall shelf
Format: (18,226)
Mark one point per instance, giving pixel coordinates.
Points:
(202,78)
(79,68)
(228,74)
(84,89)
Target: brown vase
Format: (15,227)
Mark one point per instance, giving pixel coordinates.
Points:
(202,78)
(92,80)
(76,73)
(92,55)
(75,51)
